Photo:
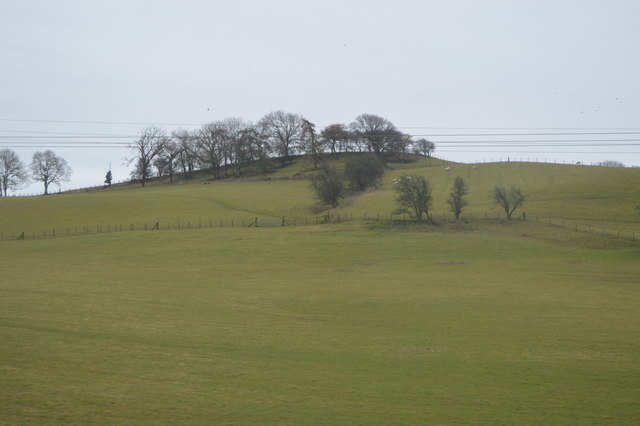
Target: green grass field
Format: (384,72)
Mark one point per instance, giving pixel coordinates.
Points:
(598,196)
(351,323)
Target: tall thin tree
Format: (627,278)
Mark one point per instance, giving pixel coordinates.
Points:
(456,199)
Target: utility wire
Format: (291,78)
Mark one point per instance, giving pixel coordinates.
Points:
(100,122)
(519,128)
(529,134)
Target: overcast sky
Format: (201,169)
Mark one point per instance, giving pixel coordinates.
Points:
(431,67)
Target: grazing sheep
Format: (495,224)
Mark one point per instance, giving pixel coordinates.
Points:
(448,169)
(474,167)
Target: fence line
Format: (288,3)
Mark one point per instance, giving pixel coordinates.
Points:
(330,217)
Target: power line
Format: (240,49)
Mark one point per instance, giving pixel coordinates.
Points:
(518,128)
(99,122)
(60,146)
(450,144)
(401,127)
(543,152)
(68,137)
(540,141)
(87,134)
(529,134)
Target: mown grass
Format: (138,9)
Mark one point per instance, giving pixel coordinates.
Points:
(332,324)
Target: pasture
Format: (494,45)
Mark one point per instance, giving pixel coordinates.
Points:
(361,322)
(598,196)
(333,324)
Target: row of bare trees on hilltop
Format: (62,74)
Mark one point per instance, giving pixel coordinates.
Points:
(228,144)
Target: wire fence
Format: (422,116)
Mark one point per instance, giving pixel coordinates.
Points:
(307,220)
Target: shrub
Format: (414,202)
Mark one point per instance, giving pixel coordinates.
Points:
(328,185)
(364,171)
(456,200)
(509,200)
(414,196)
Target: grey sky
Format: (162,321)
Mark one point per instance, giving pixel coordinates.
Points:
(430,64)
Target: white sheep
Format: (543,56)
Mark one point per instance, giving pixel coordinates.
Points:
(448,169)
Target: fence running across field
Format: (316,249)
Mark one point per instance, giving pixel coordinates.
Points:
(334,217)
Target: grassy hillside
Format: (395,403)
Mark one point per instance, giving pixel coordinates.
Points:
(320,325)
(598,195)
(361,322)
(582,194)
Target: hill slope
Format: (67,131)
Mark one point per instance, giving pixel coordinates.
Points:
(331,324)
(358,322)
(596,195)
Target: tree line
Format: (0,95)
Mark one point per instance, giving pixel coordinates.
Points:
(45,167)
(224,146)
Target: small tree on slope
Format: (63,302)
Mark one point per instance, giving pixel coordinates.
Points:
(456,200)
(509,200)
(414,196)
(328,185)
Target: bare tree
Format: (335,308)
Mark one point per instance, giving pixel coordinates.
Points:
(48,168)
(167,160)
(255,146)
(210,151)
(235,143)
(187,157)
(377,134)
(414,196)
(328,185)
(13,173)
(509,200)
(456,200)
(145,149)
(336,137)
(424,147)
(284,132)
